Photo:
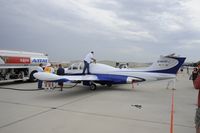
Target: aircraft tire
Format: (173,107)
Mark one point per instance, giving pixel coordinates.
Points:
(109,85)
(93,87)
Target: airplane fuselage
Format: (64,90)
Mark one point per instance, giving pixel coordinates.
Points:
(121,76)
(165,67)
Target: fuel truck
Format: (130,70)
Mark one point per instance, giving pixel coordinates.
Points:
(20,65)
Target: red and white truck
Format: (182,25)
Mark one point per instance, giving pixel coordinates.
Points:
(20,65)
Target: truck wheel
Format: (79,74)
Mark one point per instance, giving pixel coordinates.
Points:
(21,75)
(32,78)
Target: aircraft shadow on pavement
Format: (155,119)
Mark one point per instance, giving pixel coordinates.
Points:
(79,91)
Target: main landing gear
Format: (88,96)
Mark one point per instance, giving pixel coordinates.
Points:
(93,86)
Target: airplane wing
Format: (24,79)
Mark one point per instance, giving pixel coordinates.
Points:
(65,78)
(53,77)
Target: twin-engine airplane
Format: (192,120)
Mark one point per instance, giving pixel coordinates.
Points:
(165,67)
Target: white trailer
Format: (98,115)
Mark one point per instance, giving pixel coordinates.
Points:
(20,65)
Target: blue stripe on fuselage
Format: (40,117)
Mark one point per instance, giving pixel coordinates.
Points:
(115,79)
(120,79)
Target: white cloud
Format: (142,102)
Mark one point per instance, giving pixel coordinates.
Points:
(192,11)
(131,49)
(190,45)
(170,22)
(145,26)
(96,20)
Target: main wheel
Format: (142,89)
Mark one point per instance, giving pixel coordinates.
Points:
(93,87)
(109,85)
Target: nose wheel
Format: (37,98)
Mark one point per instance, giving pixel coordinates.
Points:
(93,87)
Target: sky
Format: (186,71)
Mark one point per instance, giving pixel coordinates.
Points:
(119,30)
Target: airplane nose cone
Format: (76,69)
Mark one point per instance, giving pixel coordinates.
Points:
(36,75)
(46,76)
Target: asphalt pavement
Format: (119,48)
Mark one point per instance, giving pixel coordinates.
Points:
(119,109)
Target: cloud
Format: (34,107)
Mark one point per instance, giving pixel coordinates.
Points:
(145,27)
(68,15)
(190,45)
(192,11)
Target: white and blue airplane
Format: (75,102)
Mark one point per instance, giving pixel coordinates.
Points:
(166,67)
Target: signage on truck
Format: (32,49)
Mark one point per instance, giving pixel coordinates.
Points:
(39,60)
(15,60)
(22,60)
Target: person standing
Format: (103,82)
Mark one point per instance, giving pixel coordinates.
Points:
(196,83)
(194,74)
(40,69)
(87,60)
(48,69)
(188,71)
(60,71)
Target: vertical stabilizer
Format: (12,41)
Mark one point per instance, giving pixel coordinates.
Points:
(167,64)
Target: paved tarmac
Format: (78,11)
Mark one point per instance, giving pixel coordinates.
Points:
(119,109)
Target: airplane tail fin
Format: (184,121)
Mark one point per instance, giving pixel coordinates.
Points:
(169,64)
